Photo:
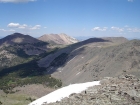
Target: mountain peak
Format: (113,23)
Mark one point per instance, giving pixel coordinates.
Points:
(16,33)
(17,38)
(62,38)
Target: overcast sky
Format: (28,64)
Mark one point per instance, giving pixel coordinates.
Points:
(98,18)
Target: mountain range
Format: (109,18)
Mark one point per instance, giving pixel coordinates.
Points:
(89,60)
(57,60)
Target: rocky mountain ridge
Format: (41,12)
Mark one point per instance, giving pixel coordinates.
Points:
(116,40)
(91,60)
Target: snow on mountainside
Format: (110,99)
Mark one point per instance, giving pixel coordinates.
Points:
(64,92)
(58,39)
(121,90)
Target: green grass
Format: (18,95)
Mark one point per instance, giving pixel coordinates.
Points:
(15,99)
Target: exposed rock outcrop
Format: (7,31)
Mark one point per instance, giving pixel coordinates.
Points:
(122,90)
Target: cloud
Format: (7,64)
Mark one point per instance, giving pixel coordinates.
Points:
(117,29)
(130,0)
(2,30)
(23,26)
(15,1)
(16,25)
(36,27)
(11,30)
(126,26)
(13,25)
(99,29)
(133,29)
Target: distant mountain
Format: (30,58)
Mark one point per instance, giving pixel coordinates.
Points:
(28,44)
(58,39)
(16,48)
(17,38)
(19,54)
(115,40)
(81,38)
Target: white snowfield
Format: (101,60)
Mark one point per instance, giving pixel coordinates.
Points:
(64,92)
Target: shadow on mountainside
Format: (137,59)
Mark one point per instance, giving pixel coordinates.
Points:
(29,68)
(23,70)
(63,54)
(87,63)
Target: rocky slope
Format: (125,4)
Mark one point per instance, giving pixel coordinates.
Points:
(93,59)
(121,90)
(62,39)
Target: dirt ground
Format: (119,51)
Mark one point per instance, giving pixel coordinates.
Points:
(34,90)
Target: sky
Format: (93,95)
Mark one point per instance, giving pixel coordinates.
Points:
(76,18)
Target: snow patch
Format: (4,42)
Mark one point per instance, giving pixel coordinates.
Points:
(71,60)
(64,92)
(78,73)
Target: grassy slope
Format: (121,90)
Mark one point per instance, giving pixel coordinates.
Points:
(14,99)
